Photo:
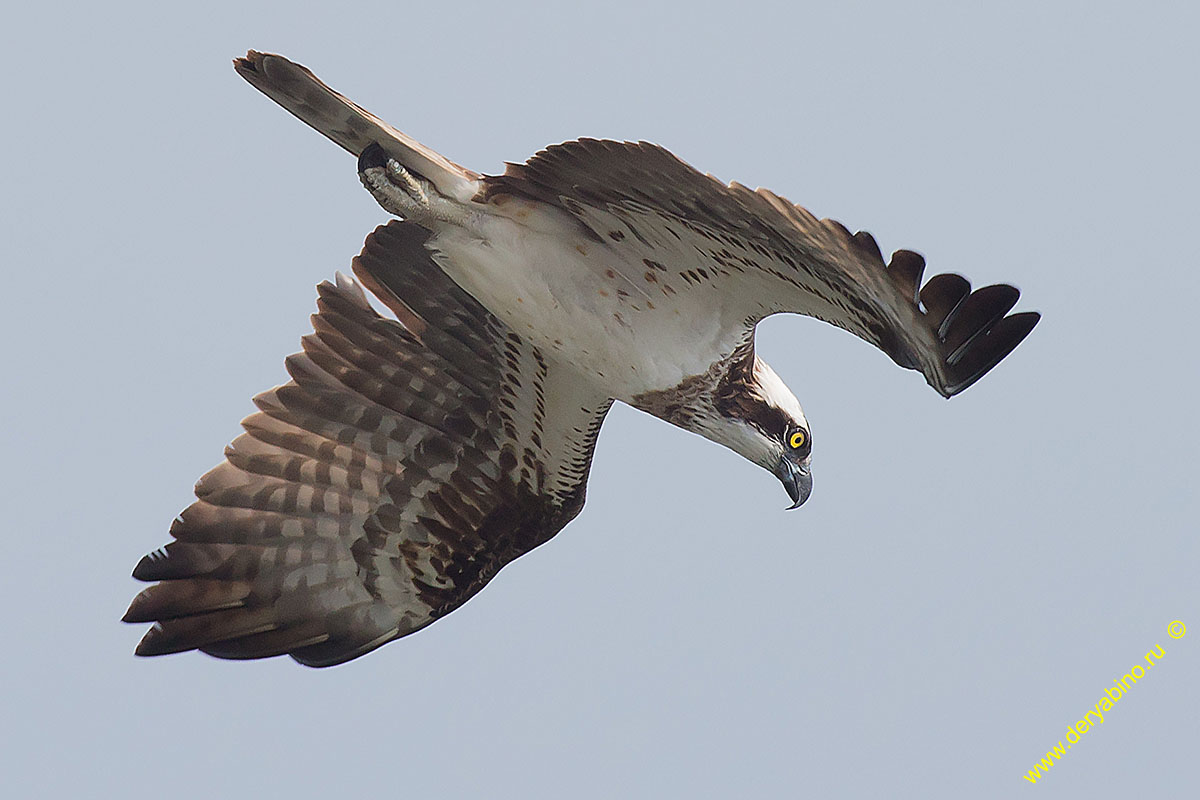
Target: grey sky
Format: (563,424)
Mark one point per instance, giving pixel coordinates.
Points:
(968,577)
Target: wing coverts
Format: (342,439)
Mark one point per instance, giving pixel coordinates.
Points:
(815,267)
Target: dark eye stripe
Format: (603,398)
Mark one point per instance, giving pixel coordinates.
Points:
(770,420)
(773,422)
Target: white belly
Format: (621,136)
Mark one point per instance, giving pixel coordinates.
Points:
(630,327)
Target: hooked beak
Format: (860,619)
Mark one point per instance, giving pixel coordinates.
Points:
(796,479)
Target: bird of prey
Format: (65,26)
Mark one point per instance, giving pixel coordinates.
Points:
(407,460)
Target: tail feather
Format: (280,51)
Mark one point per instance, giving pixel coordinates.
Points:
(304,95)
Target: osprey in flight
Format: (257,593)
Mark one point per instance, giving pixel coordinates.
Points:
(408,460)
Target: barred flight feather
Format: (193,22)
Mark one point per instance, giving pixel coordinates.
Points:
(376,491)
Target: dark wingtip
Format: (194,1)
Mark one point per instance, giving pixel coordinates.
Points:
(989,350)
(137,611)
(160,640)
(941,296)
(976,315)
(866,244)
(250,64)
(905,270)
(147,568)
(152,644)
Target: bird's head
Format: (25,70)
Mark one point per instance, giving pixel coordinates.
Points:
(758,417)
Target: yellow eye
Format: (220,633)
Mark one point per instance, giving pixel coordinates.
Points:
(797,440)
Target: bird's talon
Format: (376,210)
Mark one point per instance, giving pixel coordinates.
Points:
(399,191)
(406,182)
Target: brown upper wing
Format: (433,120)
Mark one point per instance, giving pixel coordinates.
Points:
(403,465)
(699,231)
(352,127)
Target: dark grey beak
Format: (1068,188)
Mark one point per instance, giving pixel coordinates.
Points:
(796,479)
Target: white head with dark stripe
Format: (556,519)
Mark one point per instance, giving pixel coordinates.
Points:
(756,415)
